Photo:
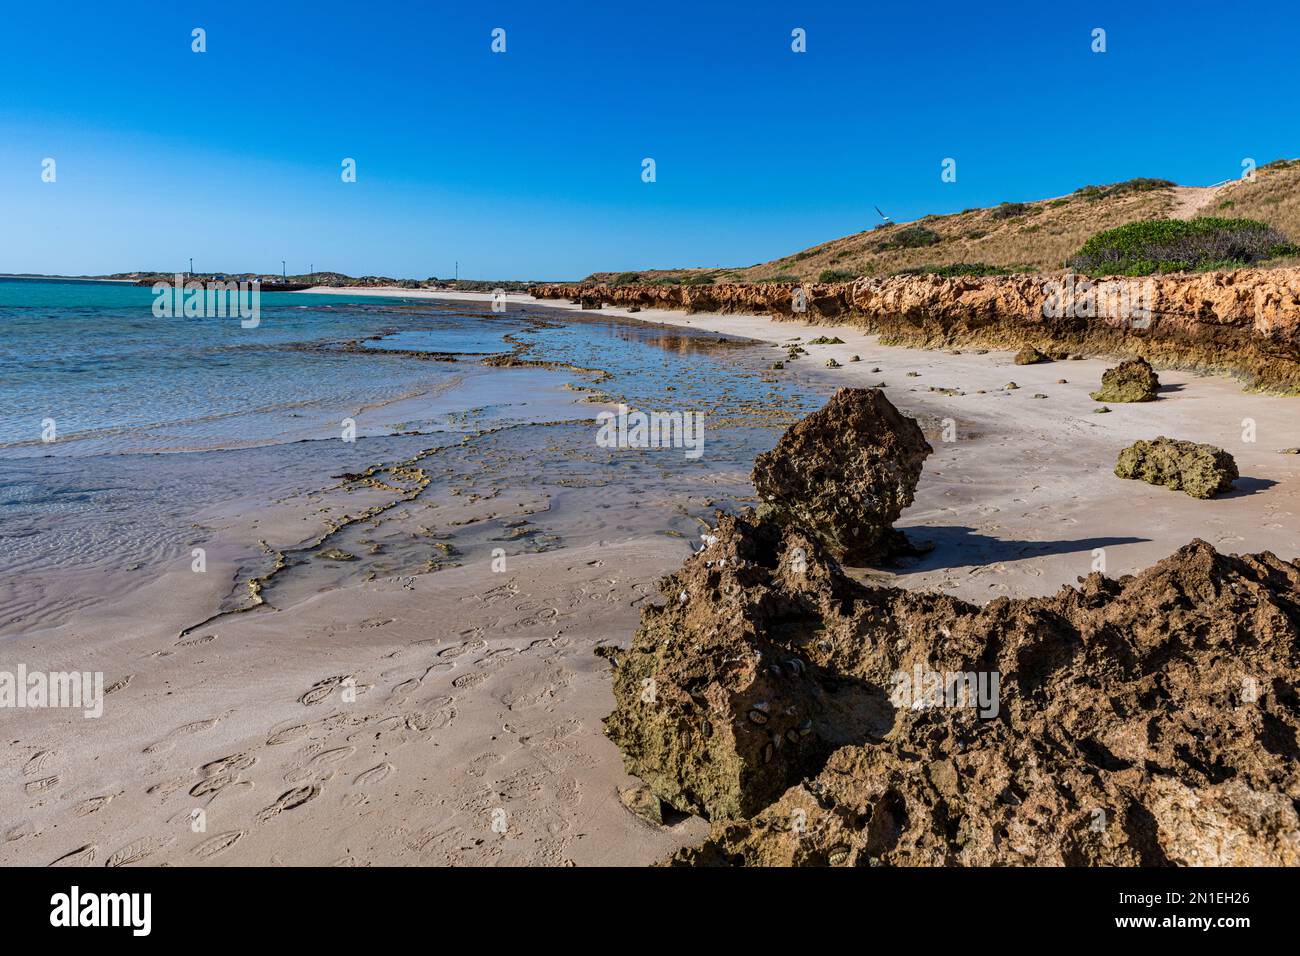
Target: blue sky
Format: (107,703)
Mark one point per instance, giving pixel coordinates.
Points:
(527,164)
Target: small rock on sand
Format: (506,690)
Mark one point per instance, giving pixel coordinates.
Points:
(1030,356)
(1131,381)
(1202,471)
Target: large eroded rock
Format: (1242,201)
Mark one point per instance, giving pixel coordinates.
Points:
(1148,720)
(1131,381)
(845,473)
(1202,471)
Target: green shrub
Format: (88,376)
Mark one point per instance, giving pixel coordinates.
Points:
(1140,185)
(779,278)
(698,278)
(1176,245)
(911,237)
(1007,210)
(955,269)
(627,278)
(836,275)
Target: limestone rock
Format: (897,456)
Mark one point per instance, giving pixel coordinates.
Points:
(1030,356)
(1144,721)
(720,705)
(1131,381)
(1202,471)
(845,473)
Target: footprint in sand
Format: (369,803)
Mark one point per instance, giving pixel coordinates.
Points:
(336,755)
(218,844)
(405,687)
(167,787)
(197,641)
(37,762)
(136,851)
(456,650)
(185,730)
(211,785)
(82,856)
(231,764)
(322,689)
(289,800)
(286,735)
(122,683)
(23,828)
(320,768)
(44,785)
(469,680)
(376,774)
(93,805)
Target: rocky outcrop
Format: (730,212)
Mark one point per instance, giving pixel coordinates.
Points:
(1149,720)
(1030,356)
(1202,471)
(1131,381)
(1245,321)
(845,473)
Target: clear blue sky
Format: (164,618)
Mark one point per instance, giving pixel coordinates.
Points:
(528,164)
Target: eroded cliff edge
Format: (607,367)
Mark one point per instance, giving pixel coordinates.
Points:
(1244,322)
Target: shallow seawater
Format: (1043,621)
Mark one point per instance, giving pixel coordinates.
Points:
(174,434)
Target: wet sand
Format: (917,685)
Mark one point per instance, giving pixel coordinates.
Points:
(452,714)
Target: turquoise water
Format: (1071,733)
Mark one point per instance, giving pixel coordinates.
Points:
(249,419)
(93,359)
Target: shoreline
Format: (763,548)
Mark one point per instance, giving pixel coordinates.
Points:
(1053,457)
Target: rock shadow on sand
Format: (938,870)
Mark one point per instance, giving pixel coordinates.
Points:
(1245,487)
(958,546)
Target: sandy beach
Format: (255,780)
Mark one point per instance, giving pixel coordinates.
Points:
(453,716)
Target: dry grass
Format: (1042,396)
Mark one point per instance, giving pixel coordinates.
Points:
(1038,238)
(1274,198)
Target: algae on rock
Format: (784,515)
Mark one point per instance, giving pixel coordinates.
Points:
(1131,381)
(1202,471)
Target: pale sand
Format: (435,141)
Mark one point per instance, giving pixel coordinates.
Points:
(478,692)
